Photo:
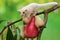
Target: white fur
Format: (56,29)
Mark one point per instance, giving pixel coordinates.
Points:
(34,7)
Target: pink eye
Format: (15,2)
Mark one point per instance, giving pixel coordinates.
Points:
(23,12)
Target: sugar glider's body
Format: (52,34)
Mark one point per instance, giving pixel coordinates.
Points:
(33,7)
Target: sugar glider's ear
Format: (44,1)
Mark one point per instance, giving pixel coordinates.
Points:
(26,10)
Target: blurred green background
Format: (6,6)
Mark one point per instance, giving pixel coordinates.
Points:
(9,13)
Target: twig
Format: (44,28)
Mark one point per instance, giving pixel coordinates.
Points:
(9,25)
(40,32)
(48,10)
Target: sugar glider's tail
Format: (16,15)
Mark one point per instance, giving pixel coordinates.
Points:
(48,4)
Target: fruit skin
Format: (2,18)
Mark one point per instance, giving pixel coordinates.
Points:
(31,30)
(38,21)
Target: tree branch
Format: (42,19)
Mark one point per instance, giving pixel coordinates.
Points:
(10,25)
(48,11)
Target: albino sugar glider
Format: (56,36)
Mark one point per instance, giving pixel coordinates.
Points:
(33,9)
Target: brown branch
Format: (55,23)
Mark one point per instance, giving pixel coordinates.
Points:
(45,19)
(40,33)
(9,25)
(48,10)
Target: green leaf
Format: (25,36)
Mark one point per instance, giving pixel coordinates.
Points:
(9,34)
(15,37)
(17,32)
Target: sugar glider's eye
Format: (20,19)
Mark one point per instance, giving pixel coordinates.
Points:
(23,12)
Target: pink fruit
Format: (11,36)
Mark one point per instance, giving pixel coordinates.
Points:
(31,30)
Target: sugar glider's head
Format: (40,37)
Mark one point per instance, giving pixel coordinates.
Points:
(23,11)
